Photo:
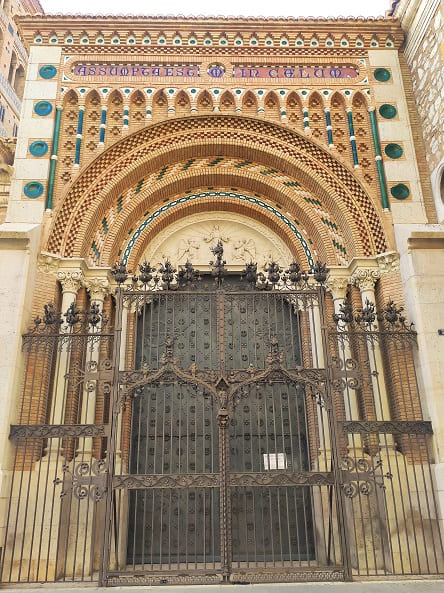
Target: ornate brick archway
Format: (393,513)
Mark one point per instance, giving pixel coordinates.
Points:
(181,156)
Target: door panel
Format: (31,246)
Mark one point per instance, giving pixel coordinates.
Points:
(174,528)
(187,318)
(174,436)
(252,319)
(272,526)
(268,438)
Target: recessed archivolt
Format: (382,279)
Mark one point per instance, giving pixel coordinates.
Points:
(223,201)
(278,190)
(298,241)
(126,162)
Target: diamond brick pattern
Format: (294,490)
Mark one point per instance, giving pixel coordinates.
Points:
(270,144)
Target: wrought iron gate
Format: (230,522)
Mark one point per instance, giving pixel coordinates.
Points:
(220,478)
(222,432)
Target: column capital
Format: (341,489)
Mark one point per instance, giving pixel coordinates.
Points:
(71,280)
(97,286)
(388,262)
(338,286)
(365,278)
(47,263)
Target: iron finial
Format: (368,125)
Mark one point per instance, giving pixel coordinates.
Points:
(218,266)
(120,272)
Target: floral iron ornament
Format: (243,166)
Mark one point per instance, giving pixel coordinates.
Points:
(274,277)
(74,320)
(168,277)
(390,317)
(119,272)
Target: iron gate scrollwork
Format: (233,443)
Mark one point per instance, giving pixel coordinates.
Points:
(224,430)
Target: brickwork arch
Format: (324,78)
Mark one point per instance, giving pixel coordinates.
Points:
(204,102)
(237,205)
(68,131)
(138,206)
(363,131)
(249,104)
(295,117)
(271,107)
(317,116)
(91,133)
(182,104)
(79,211)
(137,110)
(160,106)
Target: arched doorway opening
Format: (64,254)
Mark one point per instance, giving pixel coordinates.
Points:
(175,436)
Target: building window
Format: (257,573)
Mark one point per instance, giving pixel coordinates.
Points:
(19,82)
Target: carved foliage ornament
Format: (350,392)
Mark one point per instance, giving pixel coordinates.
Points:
(47,264)
(388,262)
(338,286)
(71,280)
(365,278)
(97,287)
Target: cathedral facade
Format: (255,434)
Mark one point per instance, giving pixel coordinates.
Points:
(219,233)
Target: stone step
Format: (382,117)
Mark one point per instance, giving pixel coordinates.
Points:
(399,586)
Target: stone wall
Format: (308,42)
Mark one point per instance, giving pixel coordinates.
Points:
(427,77)
(423,23)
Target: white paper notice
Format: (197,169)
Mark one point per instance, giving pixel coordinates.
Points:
(275,461)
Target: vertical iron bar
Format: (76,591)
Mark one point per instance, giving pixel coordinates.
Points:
(335,451)
(114,411)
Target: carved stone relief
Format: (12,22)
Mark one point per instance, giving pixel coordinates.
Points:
(243,239)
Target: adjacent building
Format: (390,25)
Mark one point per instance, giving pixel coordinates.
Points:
(424,53)
(13,63)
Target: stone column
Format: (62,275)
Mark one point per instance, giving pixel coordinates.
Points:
(127,310)
(71,281)
(98,288)
(12,81)
(316,336)
(337,284)
(365,279)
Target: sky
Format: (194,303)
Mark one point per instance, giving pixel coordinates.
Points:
(225,8)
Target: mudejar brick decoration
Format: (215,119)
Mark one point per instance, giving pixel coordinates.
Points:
(315,169)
